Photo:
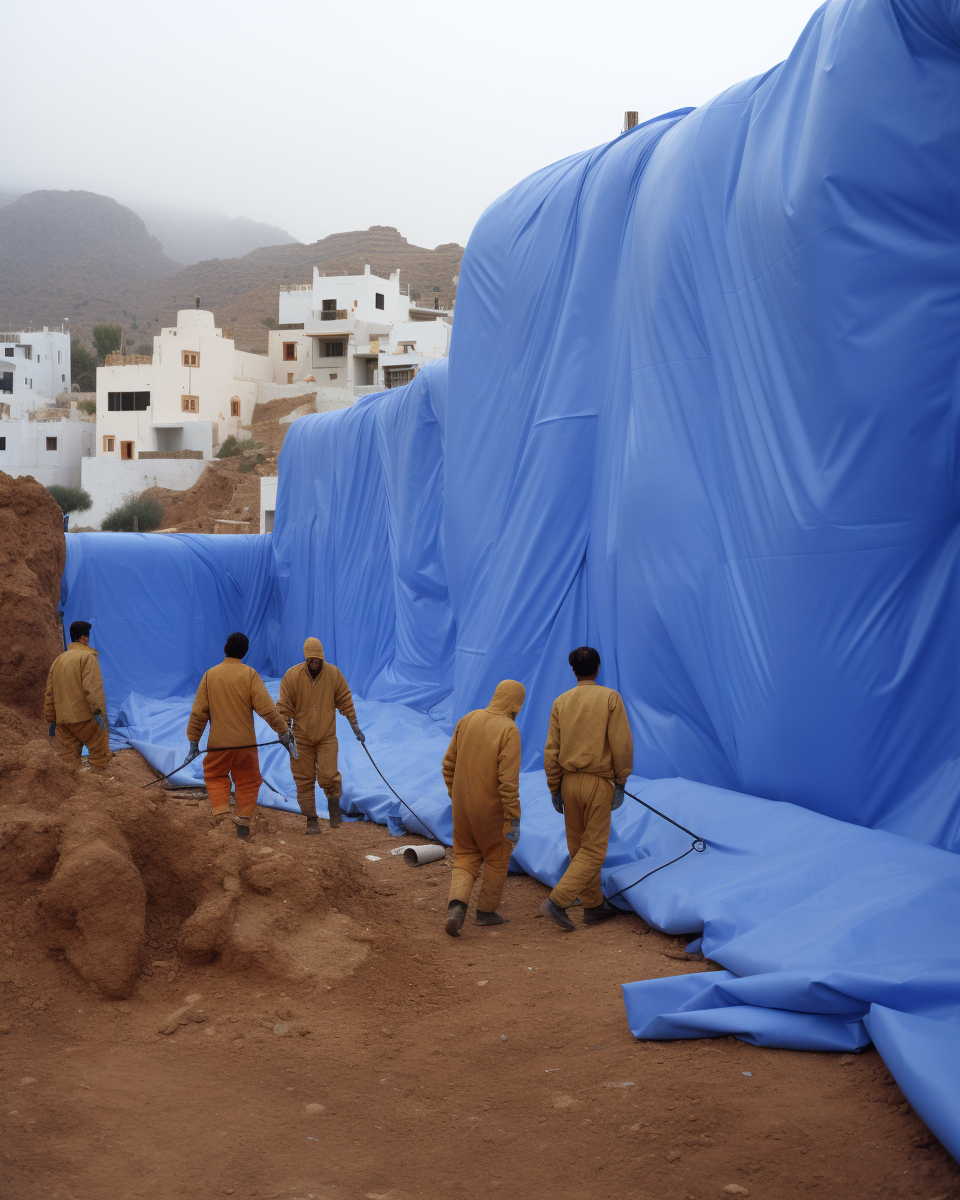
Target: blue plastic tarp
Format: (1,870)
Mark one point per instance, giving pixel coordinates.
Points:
(701,411)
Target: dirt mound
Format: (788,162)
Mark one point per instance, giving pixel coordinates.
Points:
(32,556)
(226,497)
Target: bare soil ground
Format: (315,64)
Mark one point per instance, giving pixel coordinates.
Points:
(183,1014)
(357,1051)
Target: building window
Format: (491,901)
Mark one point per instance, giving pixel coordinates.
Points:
(191,358)
(333,349)
(63,379)
(58,358)
(398,376)
(189,403)
(328,305)
(3,443)
(108,445)
(128,401)
(333,374)
(51,443)
(8,351)
(6,382)
(234,408)
(289,351)
(378,299)
(126,449)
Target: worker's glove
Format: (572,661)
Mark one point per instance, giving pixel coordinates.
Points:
(617,797)
(98,717)
(359,732)
(194,751)
(512,834)
(557,801)
(287,740)
(53,730)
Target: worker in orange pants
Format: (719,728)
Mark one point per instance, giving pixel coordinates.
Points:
(227,697)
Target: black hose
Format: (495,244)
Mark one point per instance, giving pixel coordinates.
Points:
(401,799)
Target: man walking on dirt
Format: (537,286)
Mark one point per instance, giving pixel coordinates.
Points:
(311,693)
(75,705)
(227,697)
(481,769)
(588,759)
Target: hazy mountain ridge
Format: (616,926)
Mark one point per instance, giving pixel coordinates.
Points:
(85,257)
(192,236)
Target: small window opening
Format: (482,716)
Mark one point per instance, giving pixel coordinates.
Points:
(126,449)
(290,351)
(191,358)
(51,443)
(108,445)
(3,443)
(189,403)
(234,408)
(333,349)
(378,299)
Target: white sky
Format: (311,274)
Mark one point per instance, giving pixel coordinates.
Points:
(320,116)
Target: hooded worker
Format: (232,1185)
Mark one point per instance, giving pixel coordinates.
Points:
(481,769)
(75,706)
(228,696)
(311,694)
(588,759)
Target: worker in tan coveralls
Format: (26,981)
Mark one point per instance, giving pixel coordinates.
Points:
(75,705)
(227,697)
(481,769)
(311,693)
(588,759)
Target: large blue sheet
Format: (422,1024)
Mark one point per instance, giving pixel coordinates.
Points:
(700,410)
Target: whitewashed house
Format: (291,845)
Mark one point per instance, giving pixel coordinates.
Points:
(354,334)
(34,367)
(161,417)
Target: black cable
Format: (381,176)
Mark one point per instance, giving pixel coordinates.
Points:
(400,798)
(649,873)
(699,843)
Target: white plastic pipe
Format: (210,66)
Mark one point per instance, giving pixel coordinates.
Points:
(416,856)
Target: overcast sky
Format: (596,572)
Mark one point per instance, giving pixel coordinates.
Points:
(321,116)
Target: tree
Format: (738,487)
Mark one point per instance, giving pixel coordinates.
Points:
(70,499)
(83,367)
(88,406)
(107,339)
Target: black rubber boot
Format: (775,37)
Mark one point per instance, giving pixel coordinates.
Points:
(313,825)
(243,831)
(487,918)
(558,915)
(333,812)
(600,912)
(456,912)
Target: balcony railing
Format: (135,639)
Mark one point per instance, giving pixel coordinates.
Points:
(296,287)
(332,314)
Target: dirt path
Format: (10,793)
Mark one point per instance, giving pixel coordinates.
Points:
(499,1062)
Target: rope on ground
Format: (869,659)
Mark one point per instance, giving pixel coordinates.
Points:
(401,799)
(698,844)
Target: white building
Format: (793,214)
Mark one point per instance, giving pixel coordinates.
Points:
(34,368)
(189,395)
(354,332)
(51,446)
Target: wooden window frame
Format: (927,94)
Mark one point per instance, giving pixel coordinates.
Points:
(190,358)
(289,346)
(128,457)
(189,404)
(108,443)
(234,408)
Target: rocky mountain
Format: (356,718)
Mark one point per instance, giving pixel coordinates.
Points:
(59,248)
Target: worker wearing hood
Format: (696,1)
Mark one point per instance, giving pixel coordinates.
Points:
(311,694)
(481,769)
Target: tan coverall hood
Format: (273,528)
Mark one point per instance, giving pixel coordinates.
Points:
(312,648)
(508,698)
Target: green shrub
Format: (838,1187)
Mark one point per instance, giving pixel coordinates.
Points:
(88,406)
(230,448)
(249,463)
(83,366)
(70,499)
(148,514)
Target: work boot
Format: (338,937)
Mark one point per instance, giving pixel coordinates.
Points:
(243,831)
(334,813)
(558,915)
(600,912)
(456,912)
(490,918)
(313,825)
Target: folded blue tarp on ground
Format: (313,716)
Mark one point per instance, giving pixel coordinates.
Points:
(700,410)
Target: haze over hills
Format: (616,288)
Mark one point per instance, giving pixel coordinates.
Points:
(84,257)
(194,235)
